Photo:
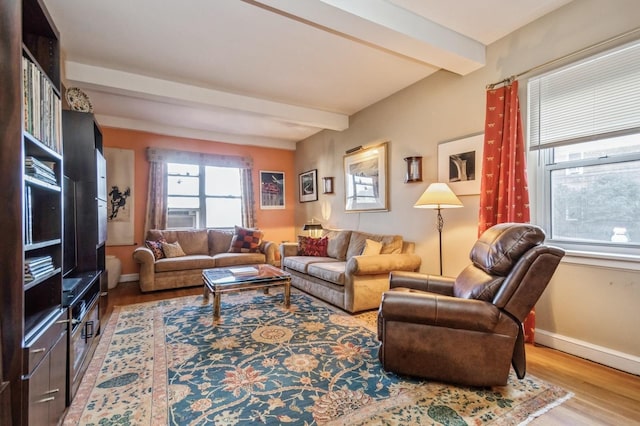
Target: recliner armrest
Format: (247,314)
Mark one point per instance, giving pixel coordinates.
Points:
(422,282)
(444,311)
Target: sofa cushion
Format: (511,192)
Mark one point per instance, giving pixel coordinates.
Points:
(390,243)
(156,248)
(184,263)
(300,263)
(371,248)
(232,259)
(246,240)
(328,271)
(309,246)
(219,241)
(193,241)
(337,244)
(172,250)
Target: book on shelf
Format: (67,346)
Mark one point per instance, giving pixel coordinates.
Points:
(37,267)
(34,262)
(40,169)
(28,219)
(244,271)
(42,107)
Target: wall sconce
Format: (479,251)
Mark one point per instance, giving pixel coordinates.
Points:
(414,169)
(327,185)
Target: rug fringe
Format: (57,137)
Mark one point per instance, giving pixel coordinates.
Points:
(546,408)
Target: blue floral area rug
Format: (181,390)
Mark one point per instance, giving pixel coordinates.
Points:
(165,363)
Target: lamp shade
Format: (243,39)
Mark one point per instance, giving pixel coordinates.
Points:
(438,196)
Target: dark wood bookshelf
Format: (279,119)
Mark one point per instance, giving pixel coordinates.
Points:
(34,324)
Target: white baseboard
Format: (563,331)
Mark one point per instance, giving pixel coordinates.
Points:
(129,277)
(600,354)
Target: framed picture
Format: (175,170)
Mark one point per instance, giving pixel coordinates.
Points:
(308,186)
(271,190)
(365,179)
(460,164)
(120,186)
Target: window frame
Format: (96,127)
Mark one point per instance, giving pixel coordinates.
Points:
(621,256)
(547,166)
(202,196)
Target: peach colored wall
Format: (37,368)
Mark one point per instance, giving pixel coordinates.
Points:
(278,225)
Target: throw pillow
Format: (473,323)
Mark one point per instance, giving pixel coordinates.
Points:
(392,247)
(246,240)
(156,248)
(371,248)
(308,246)
(172,249)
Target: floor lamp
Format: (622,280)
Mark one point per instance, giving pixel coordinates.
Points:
(438,196)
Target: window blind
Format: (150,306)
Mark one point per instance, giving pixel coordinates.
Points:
(586,100)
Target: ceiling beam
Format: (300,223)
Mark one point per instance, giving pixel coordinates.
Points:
(182,132)
(388,27)
(135,85)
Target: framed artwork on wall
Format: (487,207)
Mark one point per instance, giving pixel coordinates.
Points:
(120,185)
(271,190)
(460,164)
(365,179)
(308,182)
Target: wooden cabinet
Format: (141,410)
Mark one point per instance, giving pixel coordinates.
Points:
(85,165)
(31,217)
(46,380)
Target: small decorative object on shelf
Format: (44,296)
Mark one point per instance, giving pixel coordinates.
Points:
(78,100)
(414,169)
(327,185)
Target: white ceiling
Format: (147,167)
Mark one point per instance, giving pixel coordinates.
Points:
(267,72)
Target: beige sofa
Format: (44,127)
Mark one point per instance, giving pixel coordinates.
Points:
(345,278)
(203,248)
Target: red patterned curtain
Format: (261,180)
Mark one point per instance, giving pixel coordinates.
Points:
(504,193)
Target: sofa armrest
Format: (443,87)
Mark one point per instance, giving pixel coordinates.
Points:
(382,264)
(288,249)
(269,248)
(145,258)
(422,282)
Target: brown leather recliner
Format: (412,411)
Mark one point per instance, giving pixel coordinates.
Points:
(468,330)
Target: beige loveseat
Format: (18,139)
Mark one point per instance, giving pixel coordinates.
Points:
(203,248)
(345,277)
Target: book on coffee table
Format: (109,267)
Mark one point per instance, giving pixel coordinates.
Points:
(244,271)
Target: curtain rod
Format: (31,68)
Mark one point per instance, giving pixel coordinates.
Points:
(509,80)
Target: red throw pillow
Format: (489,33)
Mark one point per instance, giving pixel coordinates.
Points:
(156,248)
(246,240)
(308,246)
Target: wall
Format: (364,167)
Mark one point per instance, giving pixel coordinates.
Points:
(586,310)
(277,224)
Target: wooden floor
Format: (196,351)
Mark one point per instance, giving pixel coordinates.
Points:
(603,396)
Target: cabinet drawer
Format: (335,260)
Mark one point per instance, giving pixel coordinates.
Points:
(42,343)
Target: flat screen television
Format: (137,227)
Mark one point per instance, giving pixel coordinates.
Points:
(69,252)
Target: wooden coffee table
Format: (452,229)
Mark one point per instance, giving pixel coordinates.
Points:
(227,279)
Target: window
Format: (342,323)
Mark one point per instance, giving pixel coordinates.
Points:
(584,120)
(203,196)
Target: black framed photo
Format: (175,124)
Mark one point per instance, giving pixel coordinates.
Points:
(308,182)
